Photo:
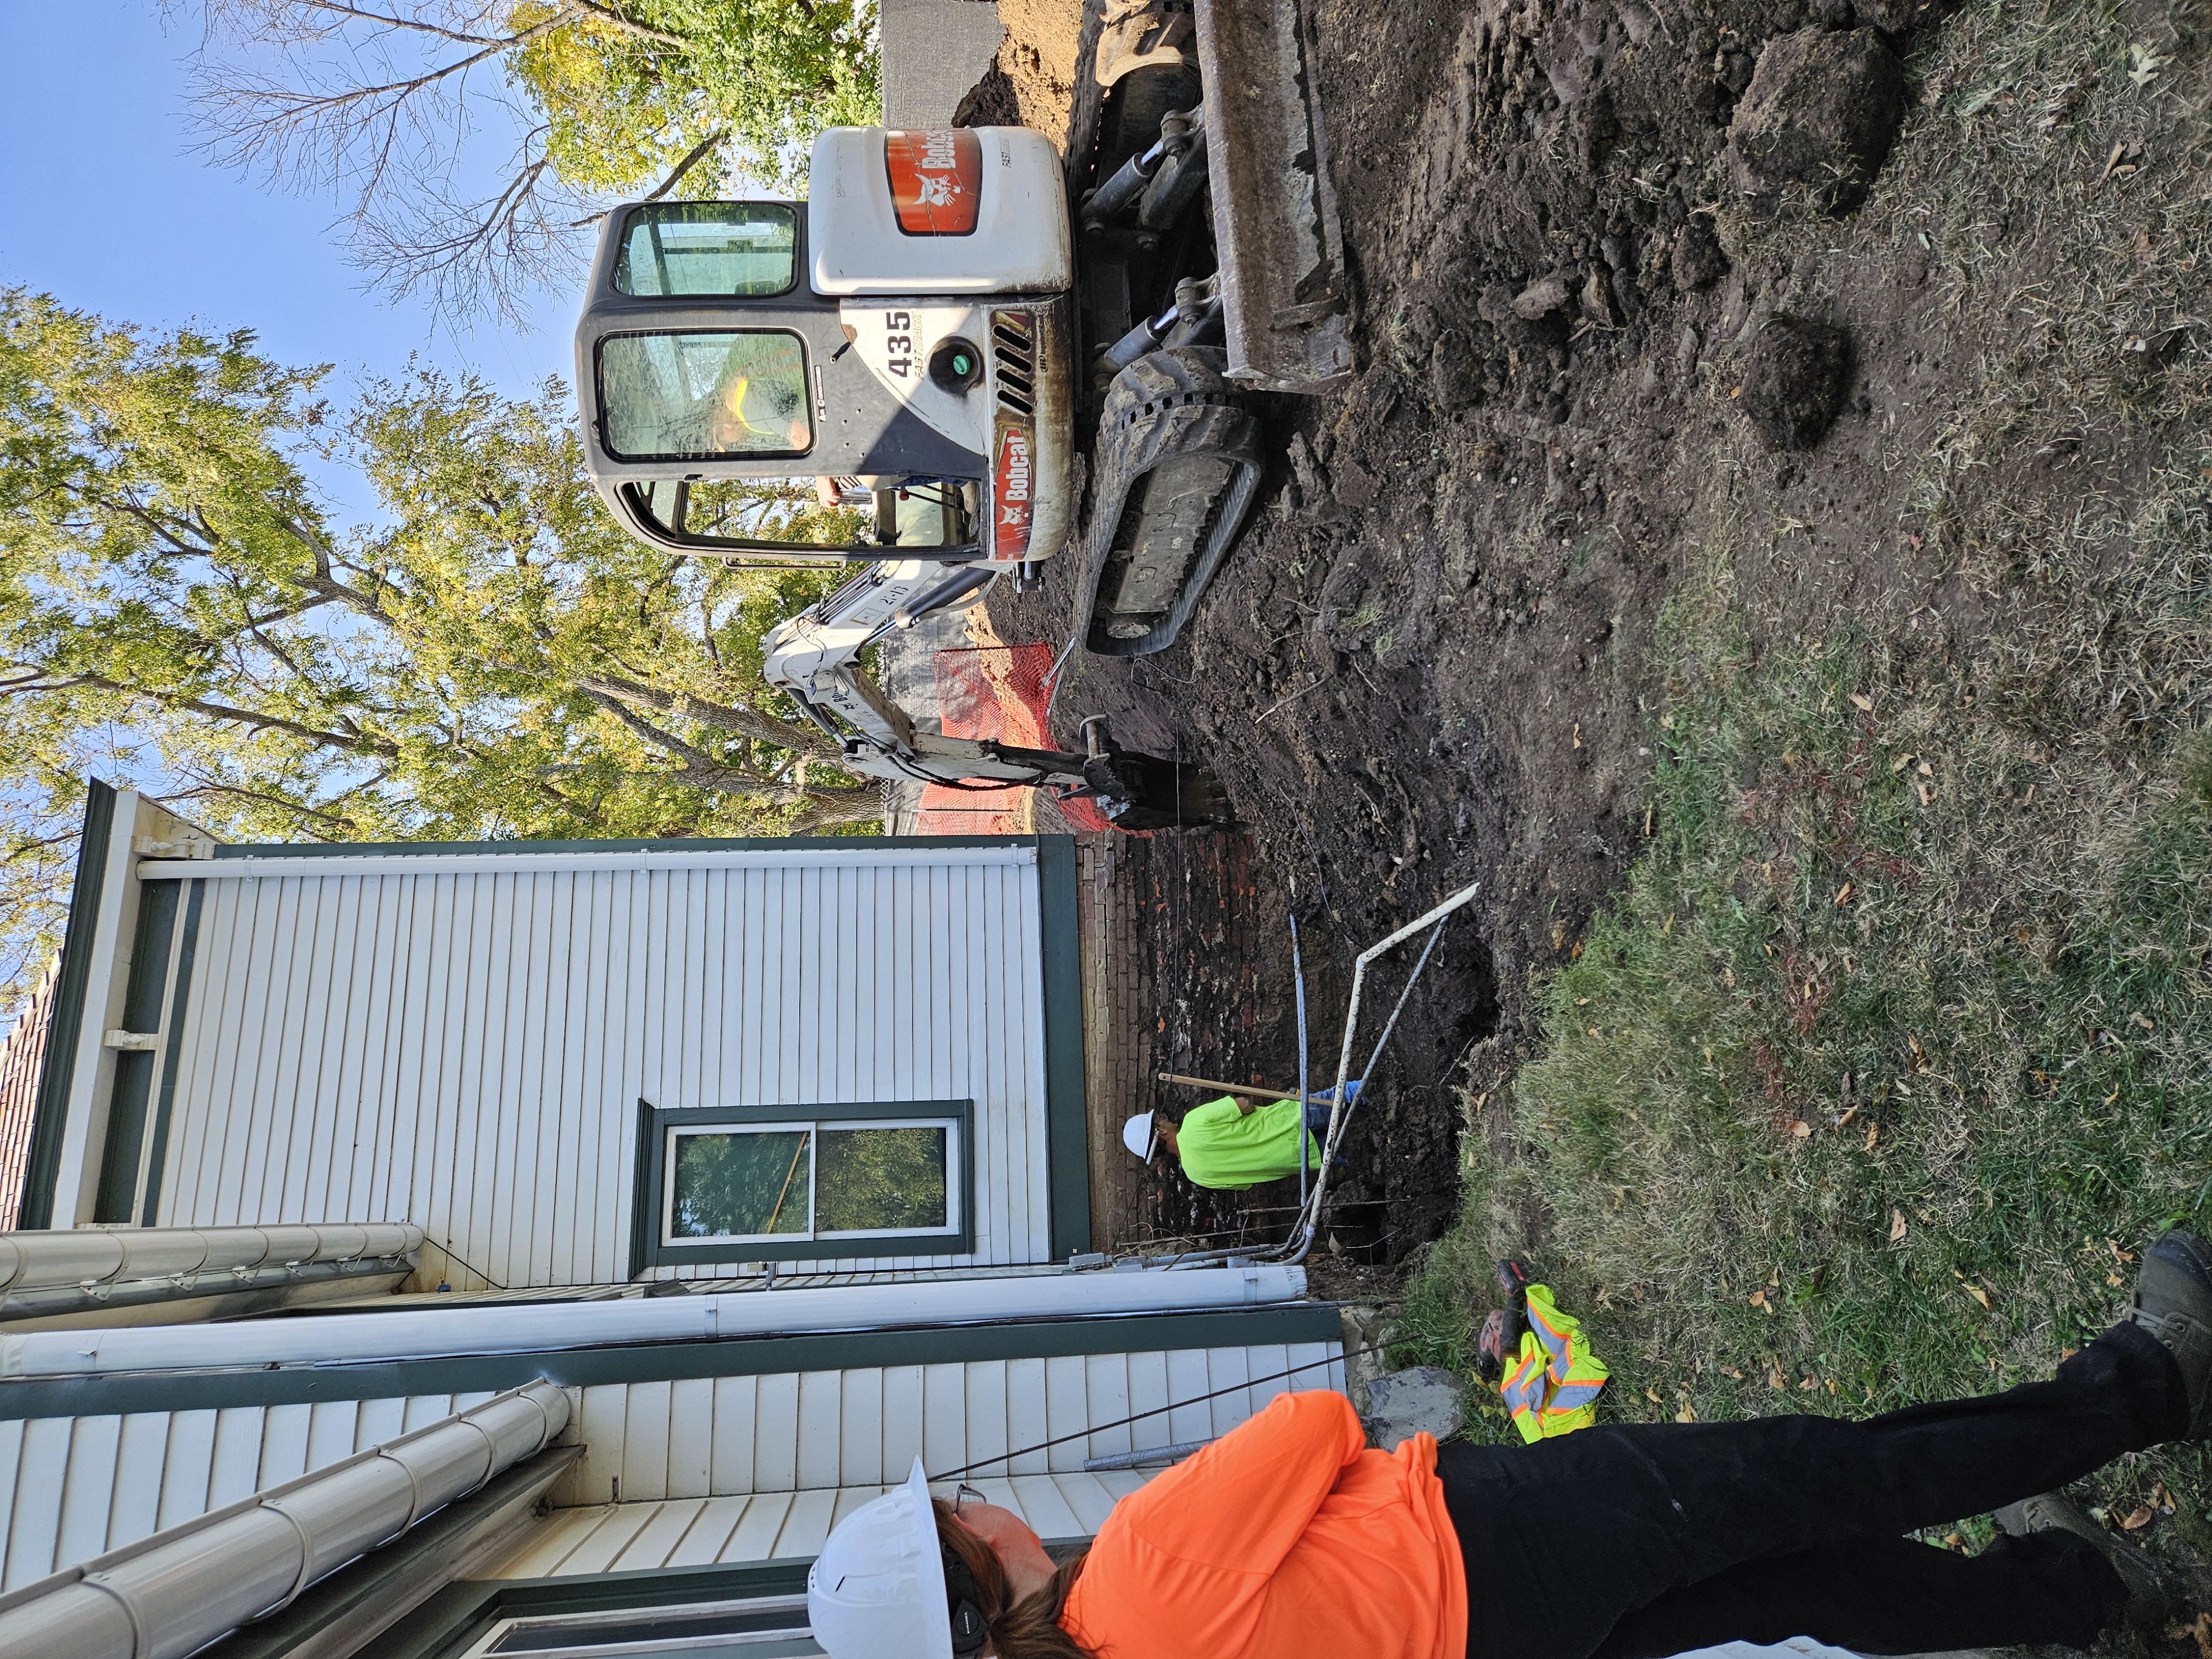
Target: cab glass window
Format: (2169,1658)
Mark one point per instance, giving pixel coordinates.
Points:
(704,396)
(711,248)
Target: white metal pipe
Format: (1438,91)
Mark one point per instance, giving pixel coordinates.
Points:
(82,1256)
(862,856)
(338,1338)
(1308,1222)
(174,1592)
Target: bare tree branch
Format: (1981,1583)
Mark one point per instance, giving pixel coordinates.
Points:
(699,153)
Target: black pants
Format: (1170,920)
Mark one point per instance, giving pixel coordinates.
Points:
(1634,1541)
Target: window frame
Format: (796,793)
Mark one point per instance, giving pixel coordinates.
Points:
(809,381)
(653,1190)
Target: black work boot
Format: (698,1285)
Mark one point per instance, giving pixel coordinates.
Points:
(2150,1605)
(2173,1302)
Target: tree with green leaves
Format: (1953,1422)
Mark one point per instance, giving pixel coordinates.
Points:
(604,99)
(492,658)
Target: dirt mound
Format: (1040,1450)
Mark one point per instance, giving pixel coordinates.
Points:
(1032,82)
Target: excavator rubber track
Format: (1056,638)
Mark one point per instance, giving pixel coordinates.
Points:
(1176,446)
(1179,462)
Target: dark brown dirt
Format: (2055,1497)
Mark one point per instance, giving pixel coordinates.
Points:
(1426,663)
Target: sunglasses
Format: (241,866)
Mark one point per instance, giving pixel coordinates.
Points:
(965,1497)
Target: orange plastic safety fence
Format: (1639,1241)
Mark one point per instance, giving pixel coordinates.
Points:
(997,692)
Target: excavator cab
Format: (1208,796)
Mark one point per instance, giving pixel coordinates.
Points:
(772,381)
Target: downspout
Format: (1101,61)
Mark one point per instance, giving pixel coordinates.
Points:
(171,1593)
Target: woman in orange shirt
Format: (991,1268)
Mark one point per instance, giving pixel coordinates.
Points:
(1289,1538)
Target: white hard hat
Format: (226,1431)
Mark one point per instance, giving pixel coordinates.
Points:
(876,1591)
(1137,1135)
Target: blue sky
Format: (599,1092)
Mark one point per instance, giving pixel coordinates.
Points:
(105,204)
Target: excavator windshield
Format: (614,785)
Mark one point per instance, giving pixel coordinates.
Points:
(708,248)
(704,395)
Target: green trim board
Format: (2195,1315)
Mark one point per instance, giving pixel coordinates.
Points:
(647,1249)
(660,1362)
(58,1070)
(180,1002)
(1068,1140)
(146,988)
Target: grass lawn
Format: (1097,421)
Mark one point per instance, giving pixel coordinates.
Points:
(1896,1049)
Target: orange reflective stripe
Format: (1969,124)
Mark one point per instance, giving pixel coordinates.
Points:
(1560,1342)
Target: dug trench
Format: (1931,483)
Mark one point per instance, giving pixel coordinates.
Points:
(1835,294)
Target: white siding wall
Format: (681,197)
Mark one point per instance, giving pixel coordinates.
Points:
(695,1532)
(466,1051)
(822,1430)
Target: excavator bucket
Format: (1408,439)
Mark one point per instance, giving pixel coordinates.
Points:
(1280,244)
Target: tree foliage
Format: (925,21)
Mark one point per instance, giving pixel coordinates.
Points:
(492,658)
(604,99)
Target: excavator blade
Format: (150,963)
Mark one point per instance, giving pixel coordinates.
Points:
(1276,231)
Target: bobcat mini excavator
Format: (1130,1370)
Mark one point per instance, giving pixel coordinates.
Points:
(901,371)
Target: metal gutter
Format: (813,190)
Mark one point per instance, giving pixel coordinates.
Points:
(335,1339)
(1285,1325)
(358,1603)
(170,1595)
(862,854)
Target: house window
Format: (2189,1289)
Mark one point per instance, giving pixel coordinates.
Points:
(879,1178)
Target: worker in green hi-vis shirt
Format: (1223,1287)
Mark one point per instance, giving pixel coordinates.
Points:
(1236,1142)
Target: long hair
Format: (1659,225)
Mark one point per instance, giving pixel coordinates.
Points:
(1031,1628)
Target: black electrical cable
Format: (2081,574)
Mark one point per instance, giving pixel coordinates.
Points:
(1157,1411)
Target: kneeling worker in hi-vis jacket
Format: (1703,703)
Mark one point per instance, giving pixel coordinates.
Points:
(1288,1538)
(1235,1142)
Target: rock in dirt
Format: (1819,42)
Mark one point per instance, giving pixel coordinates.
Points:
(1699,261)
(1541,298)
(1597,299)
(1820,112)
(1425,1399)
(1795,382)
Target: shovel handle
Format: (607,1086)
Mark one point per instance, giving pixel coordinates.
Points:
(1247,1090)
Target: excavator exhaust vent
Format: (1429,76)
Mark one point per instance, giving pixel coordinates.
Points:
(1013,362)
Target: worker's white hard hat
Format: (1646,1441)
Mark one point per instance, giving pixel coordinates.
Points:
(1137,1135)
(876,1591)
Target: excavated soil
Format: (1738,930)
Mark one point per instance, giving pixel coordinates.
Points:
(1426,663)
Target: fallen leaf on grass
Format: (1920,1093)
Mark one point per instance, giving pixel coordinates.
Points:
(1896,1227)
(1849,1112)
(1979,1295)
(1953,1541)
(2143,1020)
(1843,894)
(1927,795)
(1802,1130)
(1686,1415)
(1730,1370)
(2139,1520)
(1874,1133)
(1807,1386)
(1652,1395)
(1776,1381)
(2202,1630)
(1864,703)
